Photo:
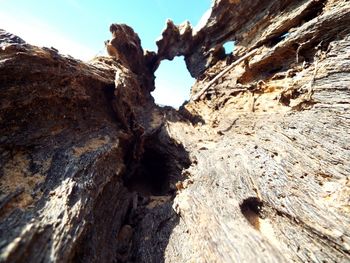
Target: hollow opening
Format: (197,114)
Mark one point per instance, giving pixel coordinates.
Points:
(153,171)
(229,46)
(152,174)
(251,209)
(159,167)
(173,83)
(275,40)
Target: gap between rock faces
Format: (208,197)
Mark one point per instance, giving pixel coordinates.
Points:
(96,144)
(159,167)
(172,83)
(208,205)
(152,180)
(271,103)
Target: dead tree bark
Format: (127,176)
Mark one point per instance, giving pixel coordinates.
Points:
(93,171)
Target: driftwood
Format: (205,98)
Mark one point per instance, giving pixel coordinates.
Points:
(91,170)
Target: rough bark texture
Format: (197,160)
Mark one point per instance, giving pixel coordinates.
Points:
(257,169)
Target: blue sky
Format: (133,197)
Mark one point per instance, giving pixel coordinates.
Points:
(79,28)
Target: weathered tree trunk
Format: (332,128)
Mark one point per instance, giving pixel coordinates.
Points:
(255,170)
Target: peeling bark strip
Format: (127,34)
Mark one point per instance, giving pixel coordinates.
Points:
(91,170)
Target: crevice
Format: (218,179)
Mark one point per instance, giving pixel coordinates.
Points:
(286,97)
(110,97)
(288,54)
(251,208)
(312,11)
(155,166)
(151,176)
(275,40)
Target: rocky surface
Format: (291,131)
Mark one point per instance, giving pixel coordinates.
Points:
(250,24)
(60,152)
(80,150)
(255,169)
(271,180)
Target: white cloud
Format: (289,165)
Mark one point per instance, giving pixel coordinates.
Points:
(38,33)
